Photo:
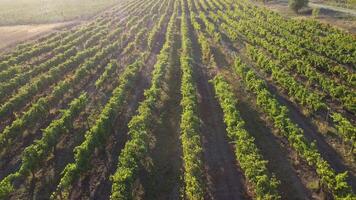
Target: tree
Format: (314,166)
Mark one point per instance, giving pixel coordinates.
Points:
(296,5)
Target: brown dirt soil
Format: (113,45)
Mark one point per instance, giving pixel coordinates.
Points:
(311,133)
(20,143)
(46,179)
(12,35)
(95,183)
(166,151)
(224,177)
(295,175)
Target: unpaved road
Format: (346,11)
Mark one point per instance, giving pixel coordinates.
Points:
(334,8)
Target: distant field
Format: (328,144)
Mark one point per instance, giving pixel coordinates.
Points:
(13,34)
(14,12)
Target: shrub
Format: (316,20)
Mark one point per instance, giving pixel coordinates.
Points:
(296,5)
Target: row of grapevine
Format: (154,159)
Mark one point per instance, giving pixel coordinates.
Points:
(52,43)
(34,154)
(207,57)
(53,46)
(286,81)
(12,85)
(190,122)
(97,134)
(345,129)
(40,109)
(278,75)
(84,72)
(247,153)
(45,80)
(302,95)
(336,183)
(33,52)
(139,126)
(338,91)
(279,35)
(340,49)
(273,44)
(23,47)
(49,77)
(156,30)
(110,68)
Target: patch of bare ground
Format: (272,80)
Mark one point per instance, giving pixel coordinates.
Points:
(12,35)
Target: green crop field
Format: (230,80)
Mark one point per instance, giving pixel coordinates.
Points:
(15,12)
(180,99)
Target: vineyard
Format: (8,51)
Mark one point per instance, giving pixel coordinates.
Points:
(180,99)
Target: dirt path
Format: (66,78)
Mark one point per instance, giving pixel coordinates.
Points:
(332,17)
(334,8)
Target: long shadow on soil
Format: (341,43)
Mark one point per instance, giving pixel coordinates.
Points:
(224,177)
(50,177)
(97,185)
(291,185)
(163,180)
(311,133)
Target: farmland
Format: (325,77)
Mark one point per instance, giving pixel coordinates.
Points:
(180,99)
(26,12)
